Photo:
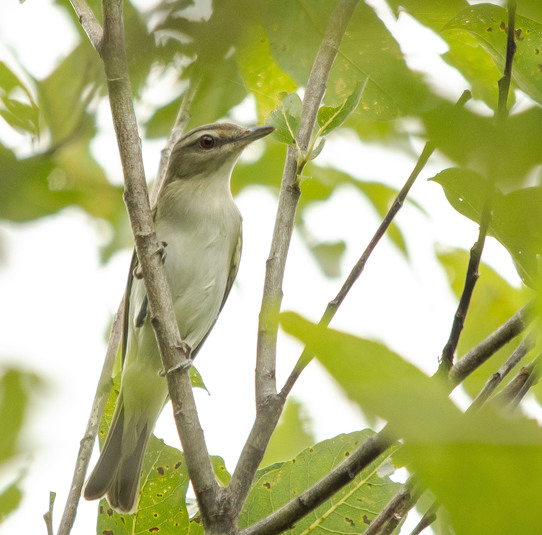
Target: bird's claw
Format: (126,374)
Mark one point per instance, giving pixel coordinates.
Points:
(161,251)
(185,364)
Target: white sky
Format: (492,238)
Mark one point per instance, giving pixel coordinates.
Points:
(54,287)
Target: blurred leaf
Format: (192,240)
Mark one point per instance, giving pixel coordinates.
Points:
(531,9)
(292,434)
(261,75)
(516,221)
(349,511)
(488,24)
(368,53)
(509,153)
(329,256)
(286,118)
(330,117)
(477,464)
(422,10)
(19,114)
(494,301)
(10,498)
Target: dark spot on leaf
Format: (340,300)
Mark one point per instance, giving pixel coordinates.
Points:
(267,485)
(110,512)
(347,454)
(107,532)
(158,495)
(370,485)
(293,461)
(503,26)
(123,520)
(540,67)
(349,521)
(311,450)
(177,465)
(490,29)
(536,51)
(160,470)
(197,519)
(154,530)
(155,515)
(366,520)
(101,510)
(518,34)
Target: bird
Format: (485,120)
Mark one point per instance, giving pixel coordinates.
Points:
(200,227)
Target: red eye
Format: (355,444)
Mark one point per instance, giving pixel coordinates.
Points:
(206,142)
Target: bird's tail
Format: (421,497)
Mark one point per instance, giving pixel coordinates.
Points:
(118,470)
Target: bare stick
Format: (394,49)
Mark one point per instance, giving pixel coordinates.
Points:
(447,357)
(307,501)
(89,23)
(479,354)
(163,318)
(496,379)
(427,519)
(268,405)
(511,390)
(48,516)
(93,424)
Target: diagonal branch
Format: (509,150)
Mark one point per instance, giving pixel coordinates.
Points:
(89,22)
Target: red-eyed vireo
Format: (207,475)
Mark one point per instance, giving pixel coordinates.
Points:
(196,218)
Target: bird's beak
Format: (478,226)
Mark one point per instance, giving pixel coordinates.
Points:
(252,134)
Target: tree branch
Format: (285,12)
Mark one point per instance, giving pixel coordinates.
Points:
(501,336)
(89,23)
(507,395)
(268,404)
(163,317)
(496,379)
(93,425)
(307,501)
(447,357)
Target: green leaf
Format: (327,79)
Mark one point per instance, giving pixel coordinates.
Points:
(330,117)
(162,502)
(368,52)
(516,221)
(477,464)
(349,511)
(286,118)
(292,434)
(329,256)
(488,24)
(10,498)
(261,75)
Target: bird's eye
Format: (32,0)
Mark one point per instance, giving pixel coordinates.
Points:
(206,142)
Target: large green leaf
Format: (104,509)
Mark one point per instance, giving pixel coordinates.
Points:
(435,17)
(516,217)
(349,511)
(368,53)
(478,464)
(488,24)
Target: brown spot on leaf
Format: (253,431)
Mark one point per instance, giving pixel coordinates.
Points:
(502,26)
(154,530)
(540,67)
(519,37)
(177,465)
(110,512)
(155,515)
(160,470)
(536,51)
(349,521)
(267,485)
(490,29)
(347,454)
(366,520)
(197,519)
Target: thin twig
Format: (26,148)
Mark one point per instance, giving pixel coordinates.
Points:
(183,116)
(93,425)
(358,268)
(495,380)
(530,380)
(404,499)
(447,357)
(48,516)
(89,23)
(497,339)
(511,390)
(427,519)
(268,404)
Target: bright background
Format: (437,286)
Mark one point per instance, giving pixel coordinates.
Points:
(58,298)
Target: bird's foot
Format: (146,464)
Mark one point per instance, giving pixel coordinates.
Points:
(184,364)
(161,251)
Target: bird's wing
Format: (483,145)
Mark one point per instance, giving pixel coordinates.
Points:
(234,268)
